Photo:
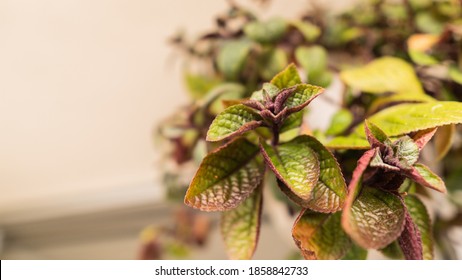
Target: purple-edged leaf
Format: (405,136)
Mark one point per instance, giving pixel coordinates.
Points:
(406,151)
(421,218)
(295,164)
(330,192)
(410,241)
(287,78)
(226,177)
(320,236)
(292,121)
(422,137)
(422,175)
(233,121)
(267,88)
(375,218)
(375,136)
(302,96)
(377,161)
(240,227)
(355,184)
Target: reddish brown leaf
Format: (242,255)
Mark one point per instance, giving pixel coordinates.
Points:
(410,240)
(422,137)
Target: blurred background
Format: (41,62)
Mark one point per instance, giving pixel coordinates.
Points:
(83,85)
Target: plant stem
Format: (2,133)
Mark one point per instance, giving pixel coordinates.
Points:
(275,140)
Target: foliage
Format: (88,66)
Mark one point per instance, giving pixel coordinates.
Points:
(251,94)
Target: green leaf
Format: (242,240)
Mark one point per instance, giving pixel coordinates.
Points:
(226,177)
(355,253)
(240,227)
(295,164)
(403,119)
(266,32)
(387,74)
(340,122)
(427,23)
(421,218)
(272,62)
(375,219)
(199,85)
(293,121)
(314,61)
(287,78)
(320,236)
(302,96)
(455,74)
(234,120)
(374,134)
(397,98)
(421,58)
(393,251)
(422,175)
(407,151)
(231,58)
(329,192)
(270,89)
(309,31)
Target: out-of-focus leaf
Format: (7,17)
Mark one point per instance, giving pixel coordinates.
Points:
(443,140)
(233,121)
(199,85)
(387,74)
(340,122)
(266,32)
(420,4)
(403,119)
(422,58)
(422,175)
(394,11)
(410,240)
(272,62)
(427,23)
(351,33)
(422,42)
(287,77)
(375,218)
(309,31)
(455,74)
(314,60)
(226,177)
(421,218)
(355,253)
(240,227)
(231,58)
(320,236)
(295,164)
(400,97)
